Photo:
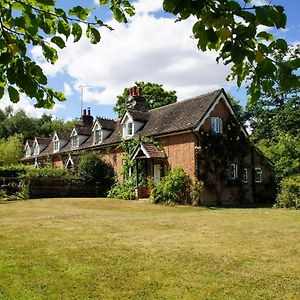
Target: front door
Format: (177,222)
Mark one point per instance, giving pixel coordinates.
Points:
(156,173)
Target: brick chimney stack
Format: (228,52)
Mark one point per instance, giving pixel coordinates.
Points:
(86,118)
(136,100)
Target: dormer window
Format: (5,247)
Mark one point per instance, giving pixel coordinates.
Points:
(56,144)
(129,129)
(36,149)
(28,151)
(217,125)
(75,142)
(97,136)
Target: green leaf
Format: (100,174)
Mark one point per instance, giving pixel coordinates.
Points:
(1,91)
(63,27)
(58,41)
(13,94)
(49,53)
(46,2)
(265,36)
(80,12)
(93,34)
(237,54)
(60,96)
(77,32)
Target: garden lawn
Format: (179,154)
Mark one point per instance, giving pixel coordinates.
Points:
(112,249)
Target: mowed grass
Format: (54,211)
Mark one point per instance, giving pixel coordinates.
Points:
(112,249)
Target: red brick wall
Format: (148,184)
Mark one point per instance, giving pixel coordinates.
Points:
(115,158)
(180,150)
(221,110)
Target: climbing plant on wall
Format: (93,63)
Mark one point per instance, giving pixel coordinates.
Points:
(217,152)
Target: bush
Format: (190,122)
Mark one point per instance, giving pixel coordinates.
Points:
(289,194)
(175,188)
(123,190)
(49,172)
(13,171)
(92,169)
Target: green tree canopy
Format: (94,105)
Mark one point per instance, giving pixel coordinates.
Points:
(11,150)
(19,122)
(230,27)
(154,94)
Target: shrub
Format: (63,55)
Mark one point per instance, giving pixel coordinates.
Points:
(289,194)
(175,188)
(13,170)
(49,172)
(197,192)
(123,190)
(92,169)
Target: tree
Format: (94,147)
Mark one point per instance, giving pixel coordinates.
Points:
(11,150)
(25,23)
(154,94)
(227,26)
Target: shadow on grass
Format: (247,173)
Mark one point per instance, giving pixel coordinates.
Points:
(243,206)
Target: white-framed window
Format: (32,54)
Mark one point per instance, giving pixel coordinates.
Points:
(128,129)
(56,144)
(28,152)
(216,125)
(75,142)
(98,136)
(258,175)
(233,171)
(245,175)
(36,149)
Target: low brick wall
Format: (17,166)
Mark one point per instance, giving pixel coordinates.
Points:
(53,187)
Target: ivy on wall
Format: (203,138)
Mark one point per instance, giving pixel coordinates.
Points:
(217,152)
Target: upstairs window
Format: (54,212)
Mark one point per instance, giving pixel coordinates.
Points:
(233,171)
(56,145)
(217,125)
(128,129)
(28,152)
(75,142)
(97,136)
(258,175)
(36,149)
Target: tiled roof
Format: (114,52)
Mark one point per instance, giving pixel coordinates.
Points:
(43,140)
(63,135)
(83,130)
(107,123)
(176,117)
(138,115)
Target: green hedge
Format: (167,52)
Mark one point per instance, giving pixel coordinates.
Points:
(289,194)
(123,190)
(49,172)
(13,171)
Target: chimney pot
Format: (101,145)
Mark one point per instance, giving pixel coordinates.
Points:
(84,112)
(89,111)
(139,91)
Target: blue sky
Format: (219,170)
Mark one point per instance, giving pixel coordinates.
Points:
(151,47)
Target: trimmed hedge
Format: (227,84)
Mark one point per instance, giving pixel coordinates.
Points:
(289,194)
(13,170)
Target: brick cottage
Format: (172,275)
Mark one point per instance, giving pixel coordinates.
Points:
(202,135)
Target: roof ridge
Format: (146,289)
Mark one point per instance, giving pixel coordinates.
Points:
(187,100)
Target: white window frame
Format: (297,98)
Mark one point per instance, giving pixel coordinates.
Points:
(245,175)
(75,142)
(98,136)
(28,151)
(258,172)
(36,149)
(56,145)
(217,125)
(233,171)
(128,125)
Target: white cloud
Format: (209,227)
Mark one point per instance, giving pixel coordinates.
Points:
(148,48)
(27,105)
(67,89)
